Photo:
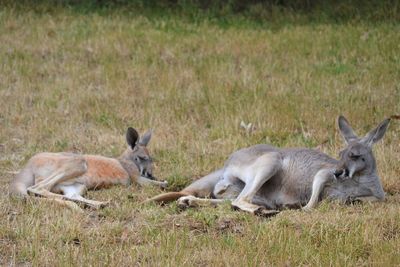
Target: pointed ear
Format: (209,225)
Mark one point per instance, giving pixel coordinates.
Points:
(376,134)
(145,139)
(345,129)
(131,137)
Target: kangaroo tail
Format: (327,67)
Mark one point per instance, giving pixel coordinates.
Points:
(21,182)
(202,187)
(166,197)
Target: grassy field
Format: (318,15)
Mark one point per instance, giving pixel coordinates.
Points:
(73,81)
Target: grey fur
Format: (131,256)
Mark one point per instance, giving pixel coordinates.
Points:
(263,176)
(145,139)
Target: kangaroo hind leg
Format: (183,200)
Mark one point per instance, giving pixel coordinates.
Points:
(192,201)
(74,192)
(68,169)
(225,190)
(265,167)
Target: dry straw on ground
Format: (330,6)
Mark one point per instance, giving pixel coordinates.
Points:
(75,82)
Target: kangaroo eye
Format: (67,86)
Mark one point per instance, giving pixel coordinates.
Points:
(363,159)
(354,157)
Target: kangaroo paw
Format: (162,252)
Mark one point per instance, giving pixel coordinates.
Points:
(164,185)
(97,204)
(263,212)
(245,206)
(186,202)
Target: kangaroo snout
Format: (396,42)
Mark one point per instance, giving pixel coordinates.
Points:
(150,176)
(338,173)
(147,175)
(341,173)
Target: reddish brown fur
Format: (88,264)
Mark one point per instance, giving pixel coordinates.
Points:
(65,177)
(103,172)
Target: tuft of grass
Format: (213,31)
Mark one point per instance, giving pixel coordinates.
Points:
(73,78)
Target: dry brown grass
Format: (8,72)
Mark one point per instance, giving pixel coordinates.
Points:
(71,82)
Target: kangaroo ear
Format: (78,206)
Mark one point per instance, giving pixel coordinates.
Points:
(131,137)
(145,139)
(376,134)
(345,129)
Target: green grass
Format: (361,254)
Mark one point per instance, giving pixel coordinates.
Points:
(74,81)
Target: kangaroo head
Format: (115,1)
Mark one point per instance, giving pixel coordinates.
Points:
(357,158)
(138,153)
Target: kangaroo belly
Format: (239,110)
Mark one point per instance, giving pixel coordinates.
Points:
(274,199)
(279,193)
(292,186)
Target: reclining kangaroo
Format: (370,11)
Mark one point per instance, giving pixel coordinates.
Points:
(65,177)
(262,178)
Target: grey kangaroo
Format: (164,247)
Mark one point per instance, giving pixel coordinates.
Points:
(65,177)
(263,179)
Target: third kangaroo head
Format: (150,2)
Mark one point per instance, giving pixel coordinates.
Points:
(138,152)
(357,158)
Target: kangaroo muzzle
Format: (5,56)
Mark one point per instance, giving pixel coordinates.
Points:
(338,173)
(342,173)
(146,174)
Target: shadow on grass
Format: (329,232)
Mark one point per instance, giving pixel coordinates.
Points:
(274,14)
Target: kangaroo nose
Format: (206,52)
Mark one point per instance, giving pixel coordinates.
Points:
(337,172)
